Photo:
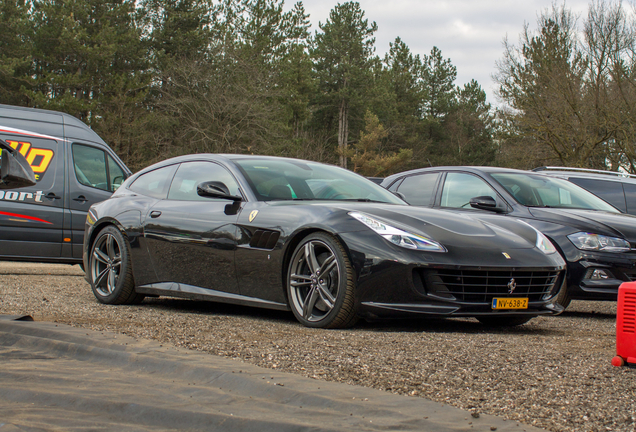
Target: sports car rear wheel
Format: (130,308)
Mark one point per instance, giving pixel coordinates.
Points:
(320,283)
(110,269)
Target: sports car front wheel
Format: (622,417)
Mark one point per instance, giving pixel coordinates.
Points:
(110,269)
(320,283)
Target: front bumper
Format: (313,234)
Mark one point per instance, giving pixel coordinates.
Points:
(395,282)
(597,276)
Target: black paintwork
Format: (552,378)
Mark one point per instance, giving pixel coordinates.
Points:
(556,224)
(212,250)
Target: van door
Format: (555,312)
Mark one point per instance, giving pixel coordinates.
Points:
(32,218)
(93,177)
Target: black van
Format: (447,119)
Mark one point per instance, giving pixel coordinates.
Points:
(74,168)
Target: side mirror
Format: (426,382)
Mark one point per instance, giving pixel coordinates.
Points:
(486,203)
(15,171)
(214,189)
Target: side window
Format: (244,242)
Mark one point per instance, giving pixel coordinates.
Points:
(630,197)
(94,168)
(459,188)
(115,174)
(418,189)
(154,183)
(190,174)
(90,166)
(610,191)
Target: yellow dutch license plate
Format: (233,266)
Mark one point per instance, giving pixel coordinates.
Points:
(510,303)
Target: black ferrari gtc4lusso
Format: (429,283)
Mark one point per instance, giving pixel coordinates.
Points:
(322,241)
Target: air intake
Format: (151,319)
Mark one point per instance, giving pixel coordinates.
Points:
(264,239)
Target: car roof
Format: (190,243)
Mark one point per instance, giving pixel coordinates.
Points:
(606,175)
(467,168)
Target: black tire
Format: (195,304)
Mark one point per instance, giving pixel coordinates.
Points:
(109,269)
(320,283)
(563,297)
(504,321)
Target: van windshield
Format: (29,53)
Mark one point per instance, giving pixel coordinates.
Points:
(535,190)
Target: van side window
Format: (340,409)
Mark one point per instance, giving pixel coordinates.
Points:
(94,168)
(154,183)
(115,174)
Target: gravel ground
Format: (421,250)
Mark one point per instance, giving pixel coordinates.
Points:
(553,373)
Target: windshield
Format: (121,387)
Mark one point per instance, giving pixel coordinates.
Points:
(534,190)
(289,179)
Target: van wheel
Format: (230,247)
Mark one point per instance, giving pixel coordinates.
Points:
(110,270)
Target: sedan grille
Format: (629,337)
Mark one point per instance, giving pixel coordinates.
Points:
(481,286)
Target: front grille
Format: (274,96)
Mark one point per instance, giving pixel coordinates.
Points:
(481,286)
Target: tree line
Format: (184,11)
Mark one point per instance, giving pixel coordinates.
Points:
(570,90)
(159,78)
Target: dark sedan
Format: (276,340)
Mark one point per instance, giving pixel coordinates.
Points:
(595,239)
(328,244)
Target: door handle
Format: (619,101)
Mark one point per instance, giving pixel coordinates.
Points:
(81,199)
(155,214)
(51,195)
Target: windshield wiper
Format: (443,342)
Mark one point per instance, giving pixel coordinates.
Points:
(362,200)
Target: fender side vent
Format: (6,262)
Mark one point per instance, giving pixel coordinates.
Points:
(264,239)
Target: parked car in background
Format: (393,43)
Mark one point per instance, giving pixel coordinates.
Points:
(322,241)
(595,238)
(618,189)
(74,168)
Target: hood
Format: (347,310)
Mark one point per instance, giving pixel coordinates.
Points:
(447,227)
(593,221)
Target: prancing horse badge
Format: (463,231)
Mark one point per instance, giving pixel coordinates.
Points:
(253,215)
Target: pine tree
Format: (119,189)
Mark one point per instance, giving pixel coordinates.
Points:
(343,61)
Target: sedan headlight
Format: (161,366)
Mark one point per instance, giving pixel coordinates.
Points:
(596,242)
(397,236)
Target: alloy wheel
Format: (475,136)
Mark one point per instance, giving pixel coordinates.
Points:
(106,264)
(314,280)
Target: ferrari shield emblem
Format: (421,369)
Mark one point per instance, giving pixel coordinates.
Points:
(504,253)
(253,215)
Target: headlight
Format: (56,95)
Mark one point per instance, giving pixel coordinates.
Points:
(543,243)
(596,242)
(397,236)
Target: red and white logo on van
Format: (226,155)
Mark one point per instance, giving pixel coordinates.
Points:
(38,158)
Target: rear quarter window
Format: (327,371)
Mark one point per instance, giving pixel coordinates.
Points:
(154,183)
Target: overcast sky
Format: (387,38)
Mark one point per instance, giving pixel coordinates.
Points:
(469,32)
